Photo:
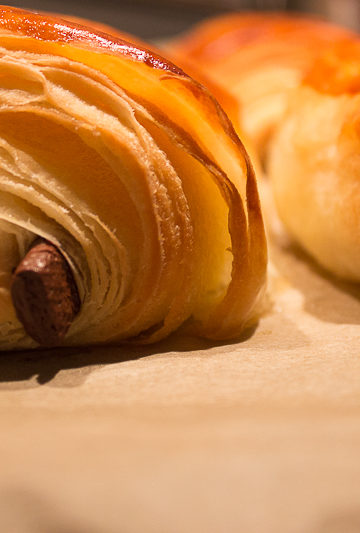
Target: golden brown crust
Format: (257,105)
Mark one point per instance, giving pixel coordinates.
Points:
(54,29)
(156,147)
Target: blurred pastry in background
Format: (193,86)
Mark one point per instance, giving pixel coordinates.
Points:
(257,58)
(314,162)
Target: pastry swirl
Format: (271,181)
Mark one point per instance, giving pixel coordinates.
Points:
(132,170)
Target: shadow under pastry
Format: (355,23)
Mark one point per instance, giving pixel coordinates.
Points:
(70,367)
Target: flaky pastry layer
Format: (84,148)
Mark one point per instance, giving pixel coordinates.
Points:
(133,170)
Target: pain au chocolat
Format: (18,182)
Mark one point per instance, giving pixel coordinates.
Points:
(123,183)
(257,58)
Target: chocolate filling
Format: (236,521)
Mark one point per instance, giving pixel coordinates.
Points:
(44,294)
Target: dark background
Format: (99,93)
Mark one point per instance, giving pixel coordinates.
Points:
(158,19)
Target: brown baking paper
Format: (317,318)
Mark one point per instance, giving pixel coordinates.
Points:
(257,436)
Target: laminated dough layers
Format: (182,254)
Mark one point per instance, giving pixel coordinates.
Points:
(134,172)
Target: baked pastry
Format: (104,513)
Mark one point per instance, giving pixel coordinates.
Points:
(228,101)
(128,204)
(257,58)
(314,162)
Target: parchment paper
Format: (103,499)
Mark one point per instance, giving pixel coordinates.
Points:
(256,436)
